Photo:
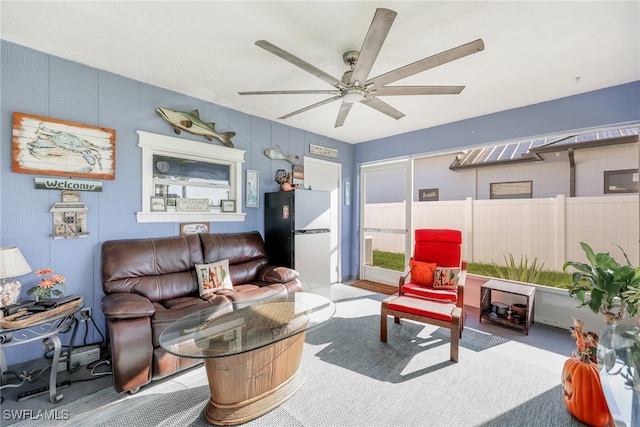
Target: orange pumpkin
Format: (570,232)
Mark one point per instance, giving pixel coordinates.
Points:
(582,392)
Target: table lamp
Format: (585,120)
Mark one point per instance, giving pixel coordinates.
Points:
(12,264)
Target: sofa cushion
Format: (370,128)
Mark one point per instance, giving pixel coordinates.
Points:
(249,295)
(213,276)
(169,311)
(158,269)
(245,251)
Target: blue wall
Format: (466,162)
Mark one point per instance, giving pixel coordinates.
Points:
(616,105)
(40,84)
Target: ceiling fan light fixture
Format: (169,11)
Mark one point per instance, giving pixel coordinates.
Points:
(353,95)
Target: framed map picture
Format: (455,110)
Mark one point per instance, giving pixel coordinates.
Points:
(44,146)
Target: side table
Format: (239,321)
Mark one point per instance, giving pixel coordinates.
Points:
(45,328)
(526,291)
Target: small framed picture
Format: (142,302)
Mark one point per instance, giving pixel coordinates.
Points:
(193,228)
(228,205)
(158,204)
(253,189)
(428,195)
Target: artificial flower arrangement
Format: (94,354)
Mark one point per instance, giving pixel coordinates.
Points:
(586,342)
(46,287)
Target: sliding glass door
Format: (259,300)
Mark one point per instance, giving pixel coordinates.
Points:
(385,220)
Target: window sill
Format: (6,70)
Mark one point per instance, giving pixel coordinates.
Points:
(189,217)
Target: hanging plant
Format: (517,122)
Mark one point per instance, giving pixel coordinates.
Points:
(581,387)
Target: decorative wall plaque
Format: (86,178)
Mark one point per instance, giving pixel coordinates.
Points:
(45,146)
(323,151)
(69,217)
(192,205)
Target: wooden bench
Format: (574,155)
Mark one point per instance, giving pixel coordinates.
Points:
(445,315)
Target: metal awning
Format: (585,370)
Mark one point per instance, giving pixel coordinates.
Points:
(529,151)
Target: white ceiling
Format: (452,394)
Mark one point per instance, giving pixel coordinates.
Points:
(534,52)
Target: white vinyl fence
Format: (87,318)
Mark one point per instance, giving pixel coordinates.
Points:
(548,229)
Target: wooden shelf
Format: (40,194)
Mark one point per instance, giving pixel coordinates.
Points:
(502,320)
(525,291)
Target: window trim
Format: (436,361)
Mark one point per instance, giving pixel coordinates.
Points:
(182,148)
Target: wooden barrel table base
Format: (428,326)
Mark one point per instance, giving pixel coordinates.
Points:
(252,354)
(248,385)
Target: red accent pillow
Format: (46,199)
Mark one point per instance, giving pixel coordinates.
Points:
(422,272)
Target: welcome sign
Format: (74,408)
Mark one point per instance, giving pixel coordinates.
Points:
(67,184)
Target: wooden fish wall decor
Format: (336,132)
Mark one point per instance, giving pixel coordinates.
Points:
(191,122)
(275,154)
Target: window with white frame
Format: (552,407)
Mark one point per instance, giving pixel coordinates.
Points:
(179,170)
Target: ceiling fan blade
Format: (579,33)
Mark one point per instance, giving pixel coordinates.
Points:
(299,63)
(317,104)
(380,26)
(427,63)
(291,92)
(417,90)
(342,114)
(384,108)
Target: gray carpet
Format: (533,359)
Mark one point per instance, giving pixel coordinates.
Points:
(352,379)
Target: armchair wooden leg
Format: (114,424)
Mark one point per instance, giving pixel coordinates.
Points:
(383,322)
(456,333)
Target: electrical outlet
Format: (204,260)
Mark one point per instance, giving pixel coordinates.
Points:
(85,313)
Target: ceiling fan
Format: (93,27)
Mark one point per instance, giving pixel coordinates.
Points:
(355,86)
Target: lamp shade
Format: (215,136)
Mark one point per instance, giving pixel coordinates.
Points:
(12,263)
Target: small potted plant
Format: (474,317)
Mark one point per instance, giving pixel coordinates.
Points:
(46,288)
(603,283)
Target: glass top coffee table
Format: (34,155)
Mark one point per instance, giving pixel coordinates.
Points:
(252,354)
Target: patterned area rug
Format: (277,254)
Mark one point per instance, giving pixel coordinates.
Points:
(353,379)
(376,287)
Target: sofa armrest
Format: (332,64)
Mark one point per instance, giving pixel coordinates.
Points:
(271,274)
(124,305)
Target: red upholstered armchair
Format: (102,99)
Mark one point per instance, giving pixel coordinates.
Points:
(431,290)
(436,251)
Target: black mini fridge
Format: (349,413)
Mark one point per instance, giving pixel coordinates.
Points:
(297,235)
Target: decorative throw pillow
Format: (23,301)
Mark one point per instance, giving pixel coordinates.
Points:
(446,278)
(214,276)
(422,273)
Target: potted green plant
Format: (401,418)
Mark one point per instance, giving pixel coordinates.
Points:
(632,298)
(603,283)
(613,289)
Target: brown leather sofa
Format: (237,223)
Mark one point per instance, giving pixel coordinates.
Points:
(149,283)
